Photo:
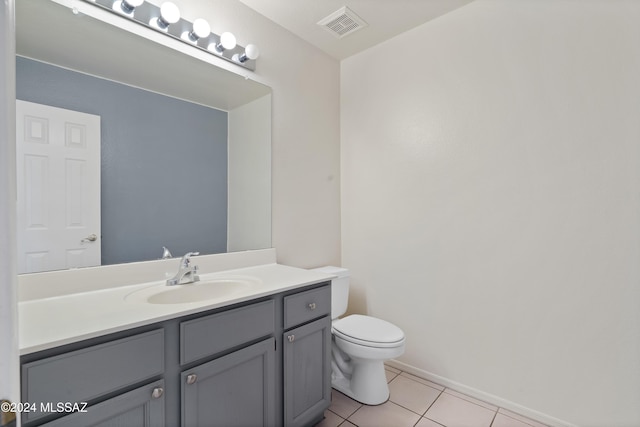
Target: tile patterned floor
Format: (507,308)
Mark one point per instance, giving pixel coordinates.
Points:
(415,402)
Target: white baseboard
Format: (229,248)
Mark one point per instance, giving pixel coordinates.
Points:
(478,394)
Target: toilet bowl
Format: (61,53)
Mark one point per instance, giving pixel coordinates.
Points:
(360,345)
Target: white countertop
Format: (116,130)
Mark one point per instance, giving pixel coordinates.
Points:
(57,320)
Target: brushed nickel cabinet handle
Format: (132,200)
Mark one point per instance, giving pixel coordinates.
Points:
(291,338)
(312,306)
(191,379)
(157,392)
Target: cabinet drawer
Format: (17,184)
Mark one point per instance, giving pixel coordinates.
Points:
(86,374)
(139,407)
(213,334)
(305,306)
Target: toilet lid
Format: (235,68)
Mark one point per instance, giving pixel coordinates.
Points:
(368,330)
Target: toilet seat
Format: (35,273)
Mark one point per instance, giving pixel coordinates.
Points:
(368,331)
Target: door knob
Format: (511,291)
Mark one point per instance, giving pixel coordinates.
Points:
(89,238)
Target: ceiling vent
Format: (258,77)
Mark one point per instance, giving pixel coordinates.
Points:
(342,22)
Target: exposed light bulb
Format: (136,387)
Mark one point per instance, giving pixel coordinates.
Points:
(169,14)
(167,18)
(250,52)
(126,6)
(227,41)
(200,29)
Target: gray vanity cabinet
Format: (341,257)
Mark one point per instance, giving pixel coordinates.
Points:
(82,376)
(264,362)
(235,390)
(237,387)
(142,407)
(307,356)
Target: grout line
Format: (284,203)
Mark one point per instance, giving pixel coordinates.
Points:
(433,403)
(493,419)
(338,415)
(411,410)
(435,422)
(361,406)
(453,393)
(404,407)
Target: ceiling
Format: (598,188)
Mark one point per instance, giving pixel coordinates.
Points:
(385,19)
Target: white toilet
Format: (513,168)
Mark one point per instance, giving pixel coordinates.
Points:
(360,346)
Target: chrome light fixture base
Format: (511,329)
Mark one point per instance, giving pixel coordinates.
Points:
(146,13)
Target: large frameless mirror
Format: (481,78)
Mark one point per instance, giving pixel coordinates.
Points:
(181,149)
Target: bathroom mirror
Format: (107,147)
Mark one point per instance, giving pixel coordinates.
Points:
(157,187)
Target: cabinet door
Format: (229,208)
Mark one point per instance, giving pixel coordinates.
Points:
(142,407)
(235,390)
(307,372)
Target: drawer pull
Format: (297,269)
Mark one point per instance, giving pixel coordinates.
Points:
(191,379)
(312,306)
(157,392)
(291,338)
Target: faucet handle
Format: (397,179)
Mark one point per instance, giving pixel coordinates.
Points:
(166,253)
(186,259)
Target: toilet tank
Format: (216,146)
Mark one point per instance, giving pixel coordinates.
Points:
(339,289)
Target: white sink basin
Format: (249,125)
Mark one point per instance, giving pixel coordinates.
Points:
(204,290)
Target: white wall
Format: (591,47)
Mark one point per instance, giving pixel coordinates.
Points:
(490,194)
(306,130)
(249,174)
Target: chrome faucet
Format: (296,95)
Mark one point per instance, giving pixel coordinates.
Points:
(186,273)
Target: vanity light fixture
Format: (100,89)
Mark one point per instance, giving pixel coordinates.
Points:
(199,30)
(197,34)
(126,6)
(250,52)
(227,42)
(169,14)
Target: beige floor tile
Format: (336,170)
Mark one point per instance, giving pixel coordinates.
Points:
(424,422)
(385,415)
(471,399)
(392,369)
(423,381)
(453,411)
(330,420)
(343,405)
(502,420)
(521,418)
(390,375)
(412,395)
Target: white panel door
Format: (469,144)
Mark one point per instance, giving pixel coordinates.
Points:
(58,177)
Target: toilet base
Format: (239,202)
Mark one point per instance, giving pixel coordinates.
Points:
(367,383)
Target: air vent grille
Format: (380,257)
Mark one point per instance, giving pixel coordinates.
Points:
(342,22)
